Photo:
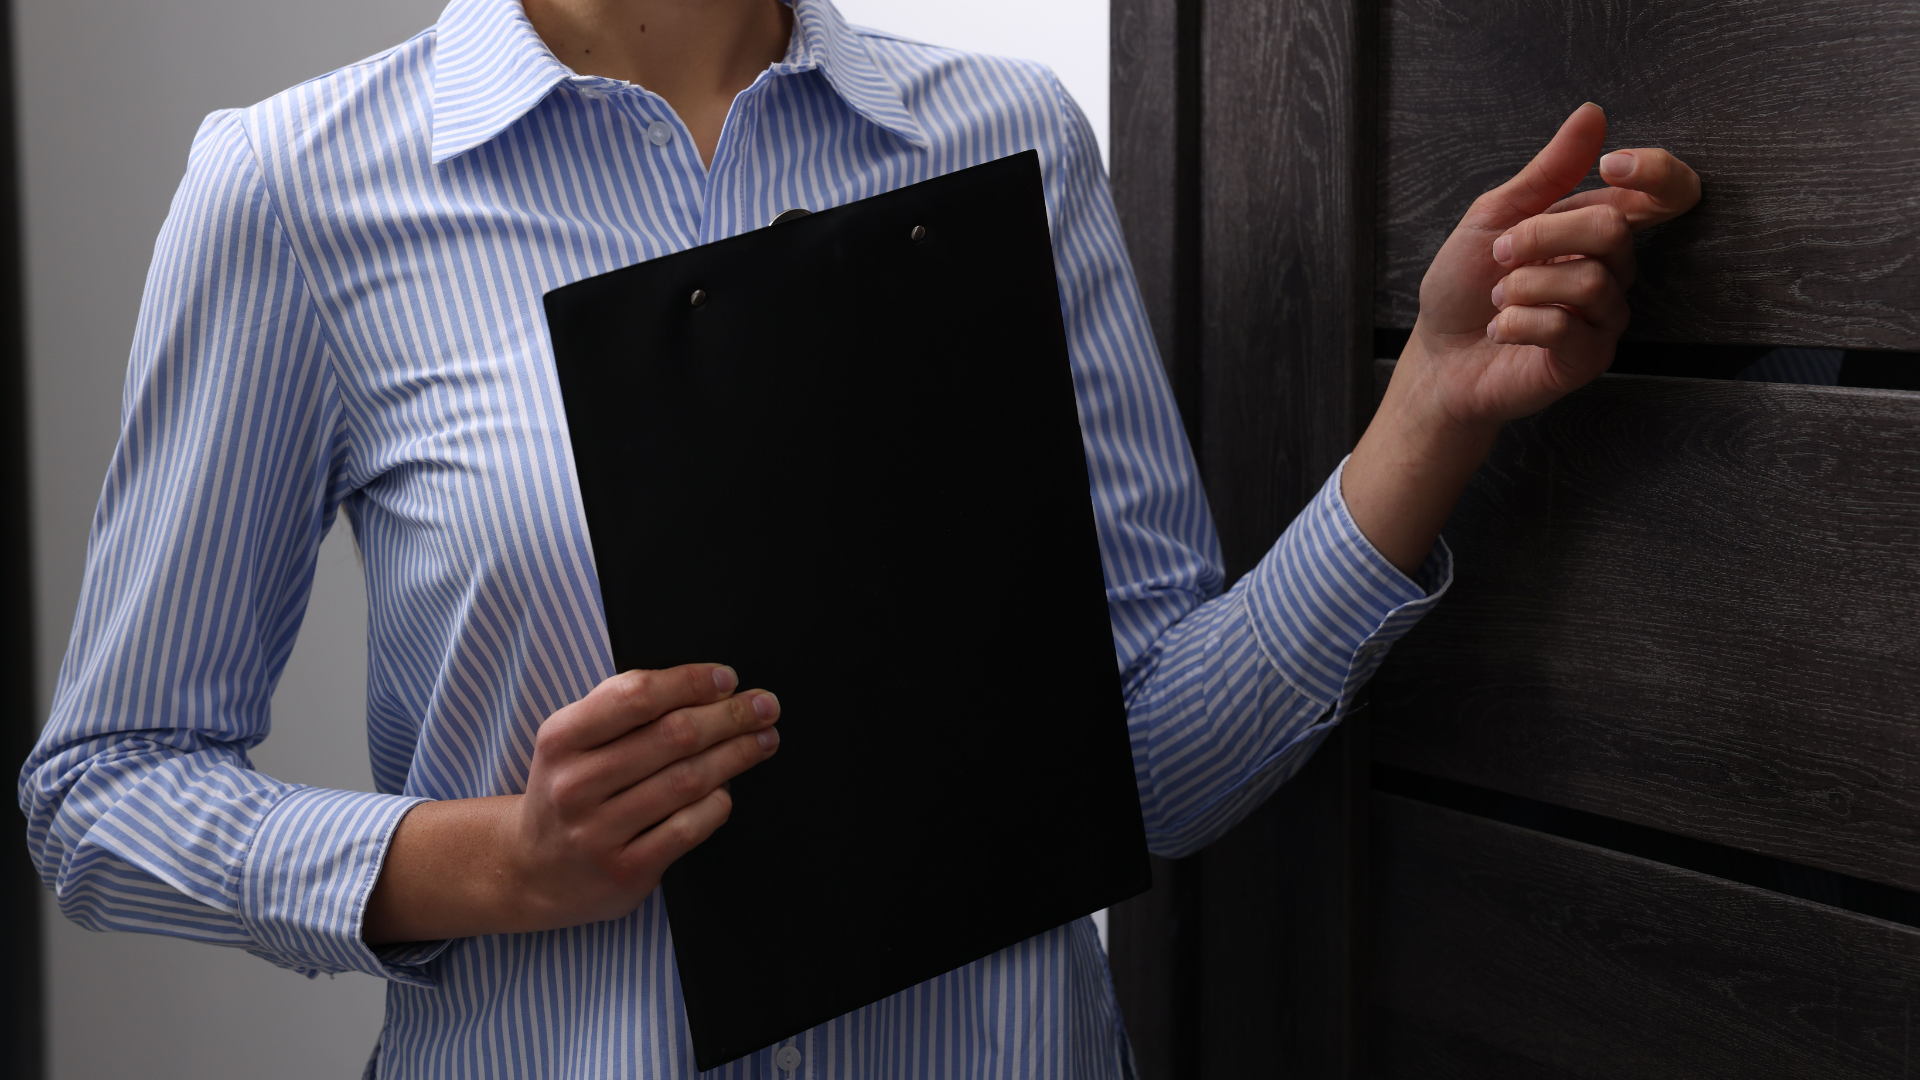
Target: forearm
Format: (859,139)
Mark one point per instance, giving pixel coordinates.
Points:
(1411,464)
(448,874)
(1233,696)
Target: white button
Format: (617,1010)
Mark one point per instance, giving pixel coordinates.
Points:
(788,1058)
(659,133)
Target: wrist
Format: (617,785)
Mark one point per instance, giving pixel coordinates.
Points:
(1422,405)
(1413,461)
(451,870)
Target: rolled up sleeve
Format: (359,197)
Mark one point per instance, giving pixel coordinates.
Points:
(144,812)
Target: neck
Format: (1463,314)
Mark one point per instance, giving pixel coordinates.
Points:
(697,54)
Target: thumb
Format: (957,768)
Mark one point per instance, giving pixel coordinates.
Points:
(1552,173)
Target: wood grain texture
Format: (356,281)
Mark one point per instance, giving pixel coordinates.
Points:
(1286,263)
(1286,224)
(1282,913)
(1688,604)
(1155,170)
(1152,951)
(1152,939)
(1500,953)
(1802,118)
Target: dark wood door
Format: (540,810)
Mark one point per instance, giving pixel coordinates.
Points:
(1642,798)
(20,1000)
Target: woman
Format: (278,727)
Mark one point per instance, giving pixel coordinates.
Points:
(344,315)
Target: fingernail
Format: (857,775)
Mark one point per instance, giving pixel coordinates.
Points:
(1503,248)
(724,680)
(766,706)
(1618,165)
(1490,327)
(1499,290)
(769,738)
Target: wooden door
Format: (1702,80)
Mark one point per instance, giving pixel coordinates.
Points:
(1642,797)
(20,889)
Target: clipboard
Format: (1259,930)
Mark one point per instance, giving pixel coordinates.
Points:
(842,454)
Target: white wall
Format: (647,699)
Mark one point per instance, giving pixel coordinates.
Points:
(110,93)
(1069,36)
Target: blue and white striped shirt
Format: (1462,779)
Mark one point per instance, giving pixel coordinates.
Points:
(344,314)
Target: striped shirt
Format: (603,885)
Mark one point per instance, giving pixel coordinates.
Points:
(344,316)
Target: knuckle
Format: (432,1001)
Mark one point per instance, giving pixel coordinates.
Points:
(1522,286)
(685,831)
(567,790)
(683,783)
(678,733)
(578,837)
(1592,282)
(550,738)
(628,690)
(1612,224)
(740,710)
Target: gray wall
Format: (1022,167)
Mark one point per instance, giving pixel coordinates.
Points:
(110,92)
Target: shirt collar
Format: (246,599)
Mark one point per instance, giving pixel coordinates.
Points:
(490,68)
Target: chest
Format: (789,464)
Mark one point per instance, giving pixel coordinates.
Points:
(432,290)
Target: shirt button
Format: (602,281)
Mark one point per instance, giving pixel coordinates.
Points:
(659,133)
(788,1058)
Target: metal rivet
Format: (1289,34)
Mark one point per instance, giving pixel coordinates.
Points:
(790,215)
(919,232)
(699,297)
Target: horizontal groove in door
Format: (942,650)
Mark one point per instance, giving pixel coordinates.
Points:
(1502,953)
(1843,891)
(1688,604)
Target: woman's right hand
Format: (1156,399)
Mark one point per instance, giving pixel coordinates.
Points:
(623,782)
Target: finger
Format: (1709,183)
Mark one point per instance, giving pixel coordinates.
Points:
(1579,349)
(632,699)
(1593,197)
(1552,173)
(1583,285)
(651,852)
(1597,232)
(679,735)
(683,783)
(1655,186)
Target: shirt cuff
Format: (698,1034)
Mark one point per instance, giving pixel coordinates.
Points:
(307,877)
(1326,605)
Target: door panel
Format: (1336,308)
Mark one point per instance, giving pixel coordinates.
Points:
(1499,952)
(1802,118)
(1688,604)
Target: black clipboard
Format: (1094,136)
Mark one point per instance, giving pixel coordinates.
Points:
(843,454)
